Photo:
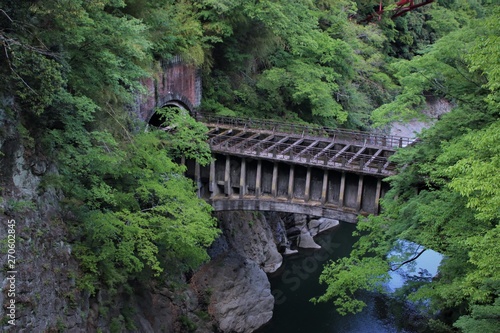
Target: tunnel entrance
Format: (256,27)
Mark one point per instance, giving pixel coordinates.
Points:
(171,107)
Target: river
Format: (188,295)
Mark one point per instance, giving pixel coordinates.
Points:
(297,282)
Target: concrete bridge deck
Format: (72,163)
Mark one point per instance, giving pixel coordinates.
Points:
(270,165)
(354,151)
(314,171)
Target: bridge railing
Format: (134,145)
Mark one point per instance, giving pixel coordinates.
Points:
(301,154)
(351,136)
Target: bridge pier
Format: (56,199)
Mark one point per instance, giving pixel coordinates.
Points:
(227,177)
(360,193)
(197,177)
(258,179)
(243,177)
(324,188)
(307,190)
(213,188)
(378,192)
(274,185)
(290,193)
(342,190)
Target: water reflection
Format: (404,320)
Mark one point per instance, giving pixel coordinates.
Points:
(297,282)
(425,266)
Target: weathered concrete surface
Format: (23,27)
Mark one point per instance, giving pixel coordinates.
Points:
(283,206)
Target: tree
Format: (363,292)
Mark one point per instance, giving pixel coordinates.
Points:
(445,196)
(73,68)
(136,214)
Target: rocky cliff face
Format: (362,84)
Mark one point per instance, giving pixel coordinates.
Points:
(40,277)
(40,269)
(234,284)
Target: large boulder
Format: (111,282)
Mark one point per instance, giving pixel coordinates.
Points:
(317,226)
(250,235)
(238,293)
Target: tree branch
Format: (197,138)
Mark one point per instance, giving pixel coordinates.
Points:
(392,269)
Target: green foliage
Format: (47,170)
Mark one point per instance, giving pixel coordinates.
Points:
(341,288)
(37,78)
(73,66)
(445,196)
(468,173)
(297,63)
(441,71)
(483,318)
(484,56)
(185,136)
(140,214)
(188,324)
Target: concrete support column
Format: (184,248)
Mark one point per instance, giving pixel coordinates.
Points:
(378,191)
(197,178)
(360,192)
(212,182)
(227,177)
(307,191)
(324,189)
(183,160)
(243,177)
(342,190)
(291,177)
(274,185)
(258,178)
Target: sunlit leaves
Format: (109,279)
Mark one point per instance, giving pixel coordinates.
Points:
(370,274)
(446,197)
(184,136)
(485,55)
(475,174)
(483,318)
(140,211)
(442,70)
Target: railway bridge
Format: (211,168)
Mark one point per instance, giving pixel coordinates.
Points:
(275,166)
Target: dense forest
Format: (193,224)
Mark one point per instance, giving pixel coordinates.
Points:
(72,68)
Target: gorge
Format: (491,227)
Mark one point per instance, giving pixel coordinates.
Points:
(101,230)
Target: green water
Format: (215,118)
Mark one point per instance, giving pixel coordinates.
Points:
(297,282)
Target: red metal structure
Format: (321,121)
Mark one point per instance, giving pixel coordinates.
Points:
(402,7)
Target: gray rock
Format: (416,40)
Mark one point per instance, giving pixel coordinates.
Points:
(240,297)
(250,235)
(319,225)
(306,241)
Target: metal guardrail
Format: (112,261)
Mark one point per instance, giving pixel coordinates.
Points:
(359,137)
